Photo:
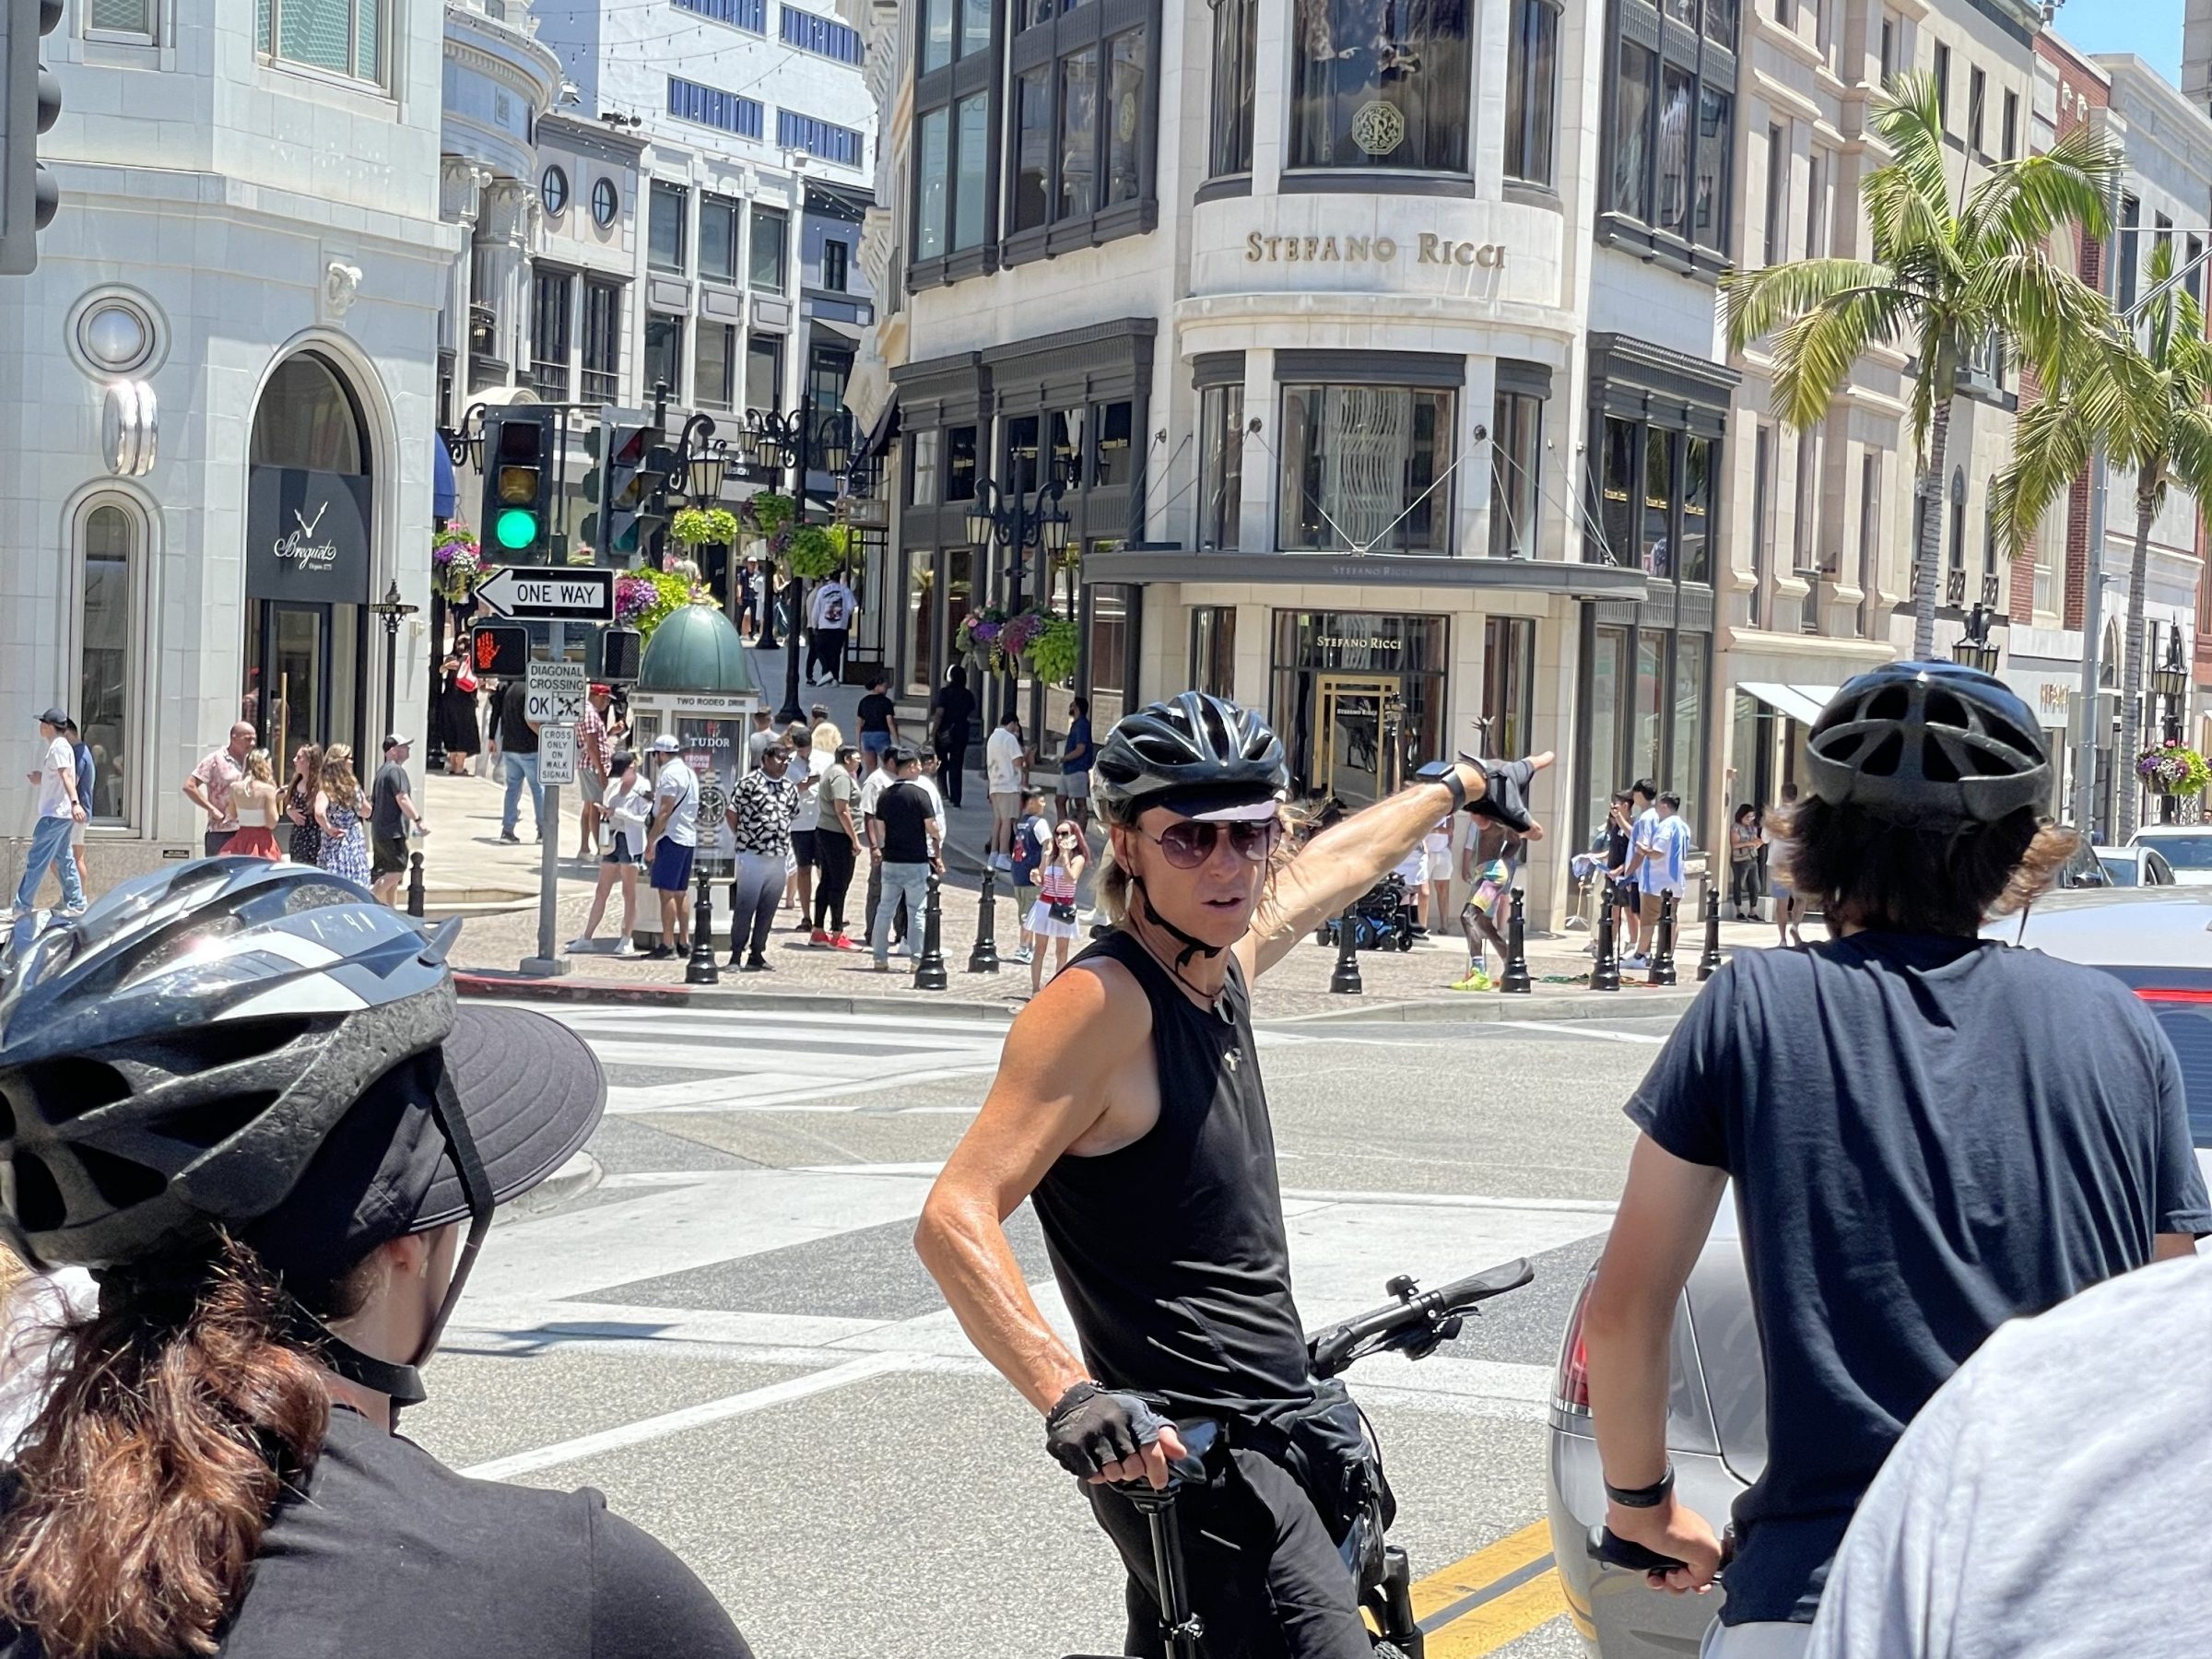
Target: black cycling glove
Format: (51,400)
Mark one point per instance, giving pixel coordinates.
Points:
(1091,1428)
(1503,799)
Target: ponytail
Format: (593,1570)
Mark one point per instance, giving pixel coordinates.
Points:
(178,1414)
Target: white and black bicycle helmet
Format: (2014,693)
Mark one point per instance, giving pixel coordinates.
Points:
(179,1058)
(1193,751)
(1932,745)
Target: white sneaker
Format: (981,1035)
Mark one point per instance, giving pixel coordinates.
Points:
(1638,960)
(1000,860)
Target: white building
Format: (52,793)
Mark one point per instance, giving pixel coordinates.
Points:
(249,244)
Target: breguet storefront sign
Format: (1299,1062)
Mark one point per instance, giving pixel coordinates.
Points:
(1425,249)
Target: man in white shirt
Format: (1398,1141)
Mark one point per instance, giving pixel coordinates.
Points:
(1660,871)
(2046,1502)
(672,841)
(828,624)
(1006,766)
(1639,846)
(59,812)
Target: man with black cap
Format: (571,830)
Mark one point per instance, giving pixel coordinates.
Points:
(1927,1132)
(390,811)
(287,1211)
(59,811)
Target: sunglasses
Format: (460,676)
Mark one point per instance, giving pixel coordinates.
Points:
(1189,843)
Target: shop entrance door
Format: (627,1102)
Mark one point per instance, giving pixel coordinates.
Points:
(1351,762)
(295,654)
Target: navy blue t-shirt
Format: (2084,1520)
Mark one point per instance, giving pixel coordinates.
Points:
(1928,1135)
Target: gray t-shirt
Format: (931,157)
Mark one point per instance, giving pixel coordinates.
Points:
(2048,1503)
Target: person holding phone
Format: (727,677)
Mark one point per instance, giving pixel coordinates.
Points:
(1054,914)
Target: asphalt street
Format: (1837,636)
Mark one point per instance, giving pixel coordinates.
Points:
(731,1336)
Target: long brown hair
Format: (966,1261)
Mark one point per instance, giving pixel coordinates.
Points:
(337,779)
(180,1412)
(307,775)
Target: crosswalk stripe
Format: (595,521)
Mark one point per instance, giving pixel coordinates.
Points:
(754,1092)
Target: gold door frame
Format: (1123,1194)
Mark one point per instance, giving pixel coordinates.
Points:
(1329,688)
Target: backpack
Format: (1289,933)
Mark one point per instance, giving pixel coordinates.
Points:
(1028,854)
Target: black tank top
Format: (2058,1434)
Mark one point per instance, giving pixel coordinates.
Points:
(1169,1251)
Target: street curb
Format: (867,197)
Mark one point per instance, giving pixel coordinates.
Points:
(716,1000)
(1478,1010)
(565,1185)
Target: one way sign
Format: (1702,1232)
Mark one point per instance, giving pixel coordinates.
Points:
(541,596)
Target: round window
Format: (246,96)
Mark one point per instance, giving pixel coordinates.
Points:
(554,189)
(606,203)
(115,333)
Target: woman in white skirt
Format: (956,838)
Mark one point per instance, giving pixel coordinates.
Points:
(1437,846)
(1054,915)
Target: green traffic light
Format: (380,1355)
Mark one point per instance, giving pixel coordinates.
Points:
(517,527)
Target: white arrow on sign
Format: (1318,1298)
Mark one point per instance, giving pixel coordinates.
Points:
(547,596)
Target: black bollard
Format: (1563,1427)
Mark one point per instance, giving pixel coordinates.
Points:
(1604,972)
(1344,981)
(929,967)
(983,958)
(1710,963)
(699,966)
(1515,979)
(1662,970)
(415,884)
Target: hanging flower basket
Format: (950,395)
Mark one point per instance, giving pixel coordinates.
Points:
(814,551)
(1046,644)
(456,563)
(644,599)
(768,513)
(1053,652)
(2173,769)
(704,527)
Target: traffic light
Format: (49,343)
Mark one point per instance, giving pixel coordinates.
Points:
(619,650)
(626,489)
(30,101)
(500,649)
(518,484)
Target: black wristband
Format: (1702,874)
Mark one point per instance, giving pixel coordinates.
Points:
(1444,772)
(1650,1497)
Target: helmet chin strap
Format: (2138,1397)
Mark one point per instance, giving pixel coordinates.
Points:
(1191,945)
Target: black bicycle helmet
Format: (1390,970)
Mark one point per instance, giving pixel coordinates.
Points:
(1930,744)
(177,1056)
(1189,750)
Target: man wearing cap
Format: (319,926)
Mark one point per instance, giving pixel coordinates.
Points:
(760,812)
(87,773)
(211,782)
(591,769)
(391,810)
(672,841)
(59,809)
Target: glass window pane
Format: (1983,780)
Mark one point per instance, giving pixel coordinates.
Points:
(1720,24)
(1631,132)
(1697,510)
(770,231)
(969,197)
(1516,460)
(1617,487)
(1608,673)
(718,239)
(1221,466)
(664,353)
(1379,83)
(1688,774)
(1674,149)
(1658,500)
(134,17)
(1126,96)
(716,366)
(1716,118)
(1359,463)
(1236,25)
(664,232)
(930,207)
(921,487)
(936,34)
(1113,464)
(959,464)
(1033,147)
(764,372)
(1531,91)
(1643,743)
(369,40)
(1079,134)
(104,670)
(975,26)
(921,622)
(316,32)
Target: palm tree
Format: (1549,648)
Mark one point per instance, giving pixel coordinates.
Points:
(1952,267)
(2143,397)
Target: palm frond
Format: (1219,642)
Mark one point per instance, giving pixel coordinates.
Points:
(1908,116)
(2189,450)
(2051,445)
(1761,302)
(1814,353)
(2023,201)
(2046,313)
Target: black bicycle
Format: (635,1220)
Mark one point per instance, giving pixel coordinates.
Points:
(1415,1324)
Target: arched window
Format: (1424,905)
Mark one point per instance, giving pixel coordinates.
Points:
(307,417)
(108,544)
(2108,659)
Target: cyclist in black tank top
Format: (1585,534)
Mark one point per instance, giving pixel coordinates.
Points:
(1151,1164)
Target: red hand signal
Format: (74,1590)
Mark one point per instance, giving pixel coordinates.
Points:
(487,649)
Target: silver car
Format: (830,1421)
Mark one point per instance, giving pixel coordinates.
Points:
(2158,940)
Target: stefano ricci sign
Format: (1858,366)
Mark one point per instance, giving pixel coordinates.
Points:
(1424,249)
(306,535)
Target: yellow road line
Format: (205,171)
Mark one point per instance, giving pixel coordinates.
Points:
(1499,1613)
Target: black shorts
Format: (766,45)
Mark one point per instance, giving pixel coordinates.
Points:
(802,847)
(387,855)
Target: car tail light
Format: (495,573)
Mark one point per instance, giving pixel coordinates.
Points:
(2172,993)
(1571,1389)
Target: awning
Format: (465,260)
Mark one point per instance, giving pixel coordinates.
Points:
(443,494)
(1800,703)
(880,435)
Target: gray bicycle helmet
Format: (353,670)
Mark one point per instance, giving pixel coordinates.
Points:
(1929,744)
(176,1056)
(1192,751)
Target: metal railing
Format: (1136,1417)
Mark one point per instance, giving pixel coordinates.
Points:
(601,385)
(551,379)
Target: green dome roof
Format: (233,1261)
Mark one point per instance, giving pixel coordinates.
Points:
(697,649)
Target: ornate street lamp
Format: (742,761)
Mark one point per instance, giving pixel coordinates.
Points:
(794,443)
(392,609)
(1974,650)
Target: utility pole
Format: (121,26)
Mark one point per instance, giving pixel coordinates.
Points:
(2092,599)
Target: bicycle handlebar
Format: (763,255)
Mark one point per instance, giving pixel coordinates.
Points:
(1416,1323)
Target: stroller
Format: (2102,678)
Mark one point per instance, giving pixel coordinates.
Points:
(1381,919)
